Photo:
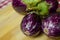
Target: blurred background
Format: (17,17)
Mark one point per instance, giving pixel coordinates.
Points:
(4,3)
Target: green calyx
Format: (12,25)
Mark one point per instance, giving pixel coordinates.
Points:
(41,7)
(30,3)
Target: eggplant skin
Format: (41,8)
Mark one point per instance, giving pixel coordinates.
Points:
(51,25)
(31,24)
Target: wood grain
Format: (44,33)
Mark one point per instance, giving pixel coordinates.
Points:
(10,26)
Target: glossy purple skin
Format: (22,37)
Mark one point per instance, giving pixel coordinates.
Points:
(53,5)
(32,24)
(51,25)
(18,6)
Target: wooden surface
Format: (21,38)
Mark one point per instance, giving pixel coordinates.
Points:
(10,26)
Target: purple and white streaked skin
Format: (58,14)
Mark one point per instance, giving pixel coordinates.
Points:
(31,24)
(18,6)
(51,25)
(53,5)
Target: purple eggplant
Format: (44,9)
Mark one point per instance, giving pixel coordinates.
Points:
(51,25)
(31,24)
(19,6)
(53,5)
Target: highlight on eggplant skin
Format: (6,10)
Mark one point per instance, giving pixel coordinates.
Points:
(53,5)
(19,6)
(51,25)
(31,25)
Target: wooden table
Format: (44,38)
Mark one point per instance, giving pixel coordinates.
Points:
(10,26)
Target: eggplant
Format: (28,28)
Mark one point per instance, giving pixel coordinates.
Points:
(31,24)
(53,5)
(51,25)
(19,6)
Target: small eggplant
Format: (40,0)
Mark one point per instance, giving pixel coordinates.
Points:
(31,24)
(51,25)
(53,5)
(19,6)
